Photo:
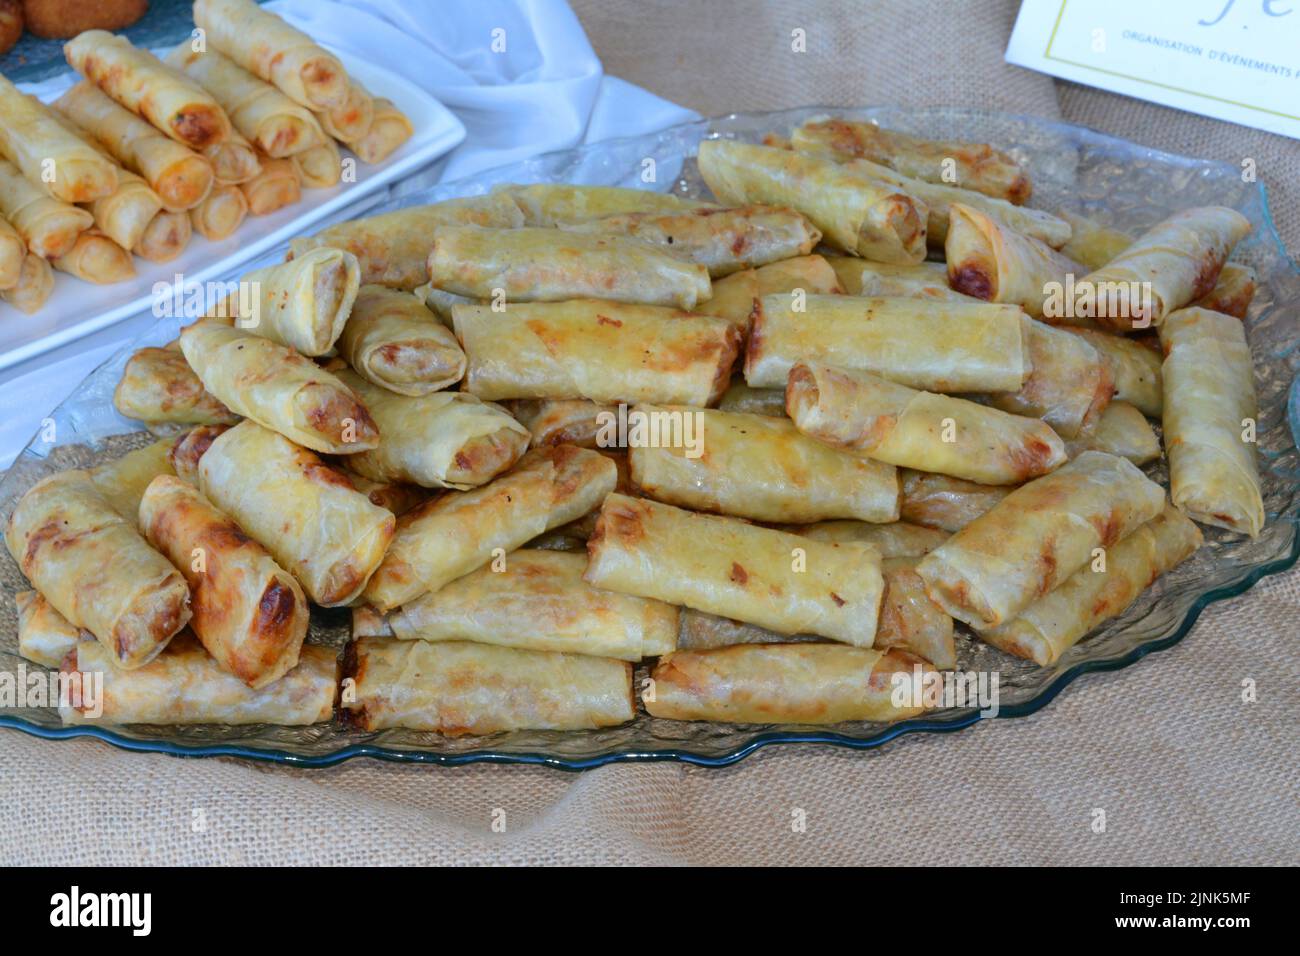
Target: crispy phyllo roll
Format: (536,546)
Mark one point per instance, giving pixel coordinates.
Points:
(1210,420)
(976,166)
(458,688)
(185,685)
(602,351)
(868,415)
(937,346)
(234,160)
(392,496)
(315,524)
(1120,430)
(97,259)
(31,138)
(940,501)
(12,251)
(535,600)
(754,466)
(165,238)
(1172,264)
(991,261)
(739,397)
(1233,293)
(783,684)
(319,167)
(442,440)
(736,296)
(857,214)
(549,265)
(158,387)
(278,388)
(268,47)
(448,537)
(180,177)
(1134,369)
(389,129)
(925,280)
(556,422)
(48,226)
(303,303)
(44,635)
(351,119)
(1091,596)
(394,341)
(124,214)
(728,567)
(221,213)
(277,185)
(35,285)
(123,480)
(1037,536)
(553,204)
(95,569)
(189,448)
(897,539)
(139,81)
(248,612)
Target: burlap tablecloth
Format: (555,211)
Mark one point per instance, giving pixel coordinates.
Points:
(1183,768)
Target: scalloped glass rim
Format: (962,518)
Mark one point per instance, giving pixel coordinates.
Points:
(618,162)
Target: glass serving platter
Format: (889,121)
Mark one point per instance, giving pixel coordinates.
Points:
(1074,168)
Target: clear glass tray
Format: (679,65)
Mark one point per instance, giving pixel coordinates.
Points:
(1073,168)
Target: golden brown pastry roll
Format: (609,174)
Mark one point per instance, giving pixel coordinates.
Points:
(185,685)
(390,495)
(278,388)
(782,684)
(394,341)
(165,238)
(257,109)
(857,214)
(976,166)
(939,501)
(442,440)
(234,161)
(739,397)
(448,537)
(457,688)
(389,129)
(871,416)
(1233,293)
(736,296)
(189,449)
(1172,264)
(1133,366)
(96,258)
(1057,621)
(393,247)
(12,251)
(553,204)
(535,600)
(248,612)
(34,287)
(1210,420)
(753,466)
(601,351)
(319,166)
(139,81)
(302,304)
(48,226)
(1037,536)
(221,213)
(350,120)
(728,567)
(125,214)
(557,422)
(123,480)
(44,635)
(897,539)
(268,47)
(936,346)
(549,265)
(32,138)
(94,568)
(925,280)
(1120,430)
(279,184)
(315,524)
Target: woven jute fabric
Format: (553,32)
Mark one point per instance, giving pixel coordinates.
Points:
(1163,762)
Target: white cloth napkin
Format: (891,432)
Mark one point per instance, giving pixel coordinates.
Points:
(519,74)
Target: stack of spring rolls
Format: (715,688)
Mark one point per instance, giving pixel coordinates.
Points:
(774,449)
(142,153)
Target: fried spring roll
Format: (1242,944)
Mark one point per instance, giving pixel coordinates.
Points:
(393,247)
(753,466)
(897,539)
(139,81)
(31,138)
(602,351)
(552,422)
(320,166)
(35,285)
(44,635)
(278,388)
(458,688)
(258,110)
(48,226)
(123,481)
(392,340)
(12,252)
(96,258)
(1233,293)
(1210,415)
(189,449)
(977,166)
(736,297)
(776,580)
(125,214)
(1037,536)
(1121,430)
(315,524)
(857,214)
(534,600)
(1057,621)
(390,495)
(248,612)
(234,161)
(442,440)
(1134,369)
(739,397)
(165,238)
(351,120)
(936,346)
(94,568)
(268,47)
(938,501)
(872,416)
(782,684)
(448,537)
(389,129)
(279,184)
(303,303)
(991,261)
(925,280)
(221,213)
(185,685)
(548,265)
(1172,264)
(554,204)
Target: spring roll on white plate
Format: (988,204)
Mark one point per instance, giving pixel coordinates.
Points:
(165,238)
(277,184)
(97,259)
(389,128)
(321,166)
(34,287)
(30,138)
(221,213)
(391,339)
(124,214)
(48,226)
(351,119)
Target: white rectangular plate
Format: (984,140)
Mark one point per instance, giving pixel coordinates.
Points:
(78,308)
